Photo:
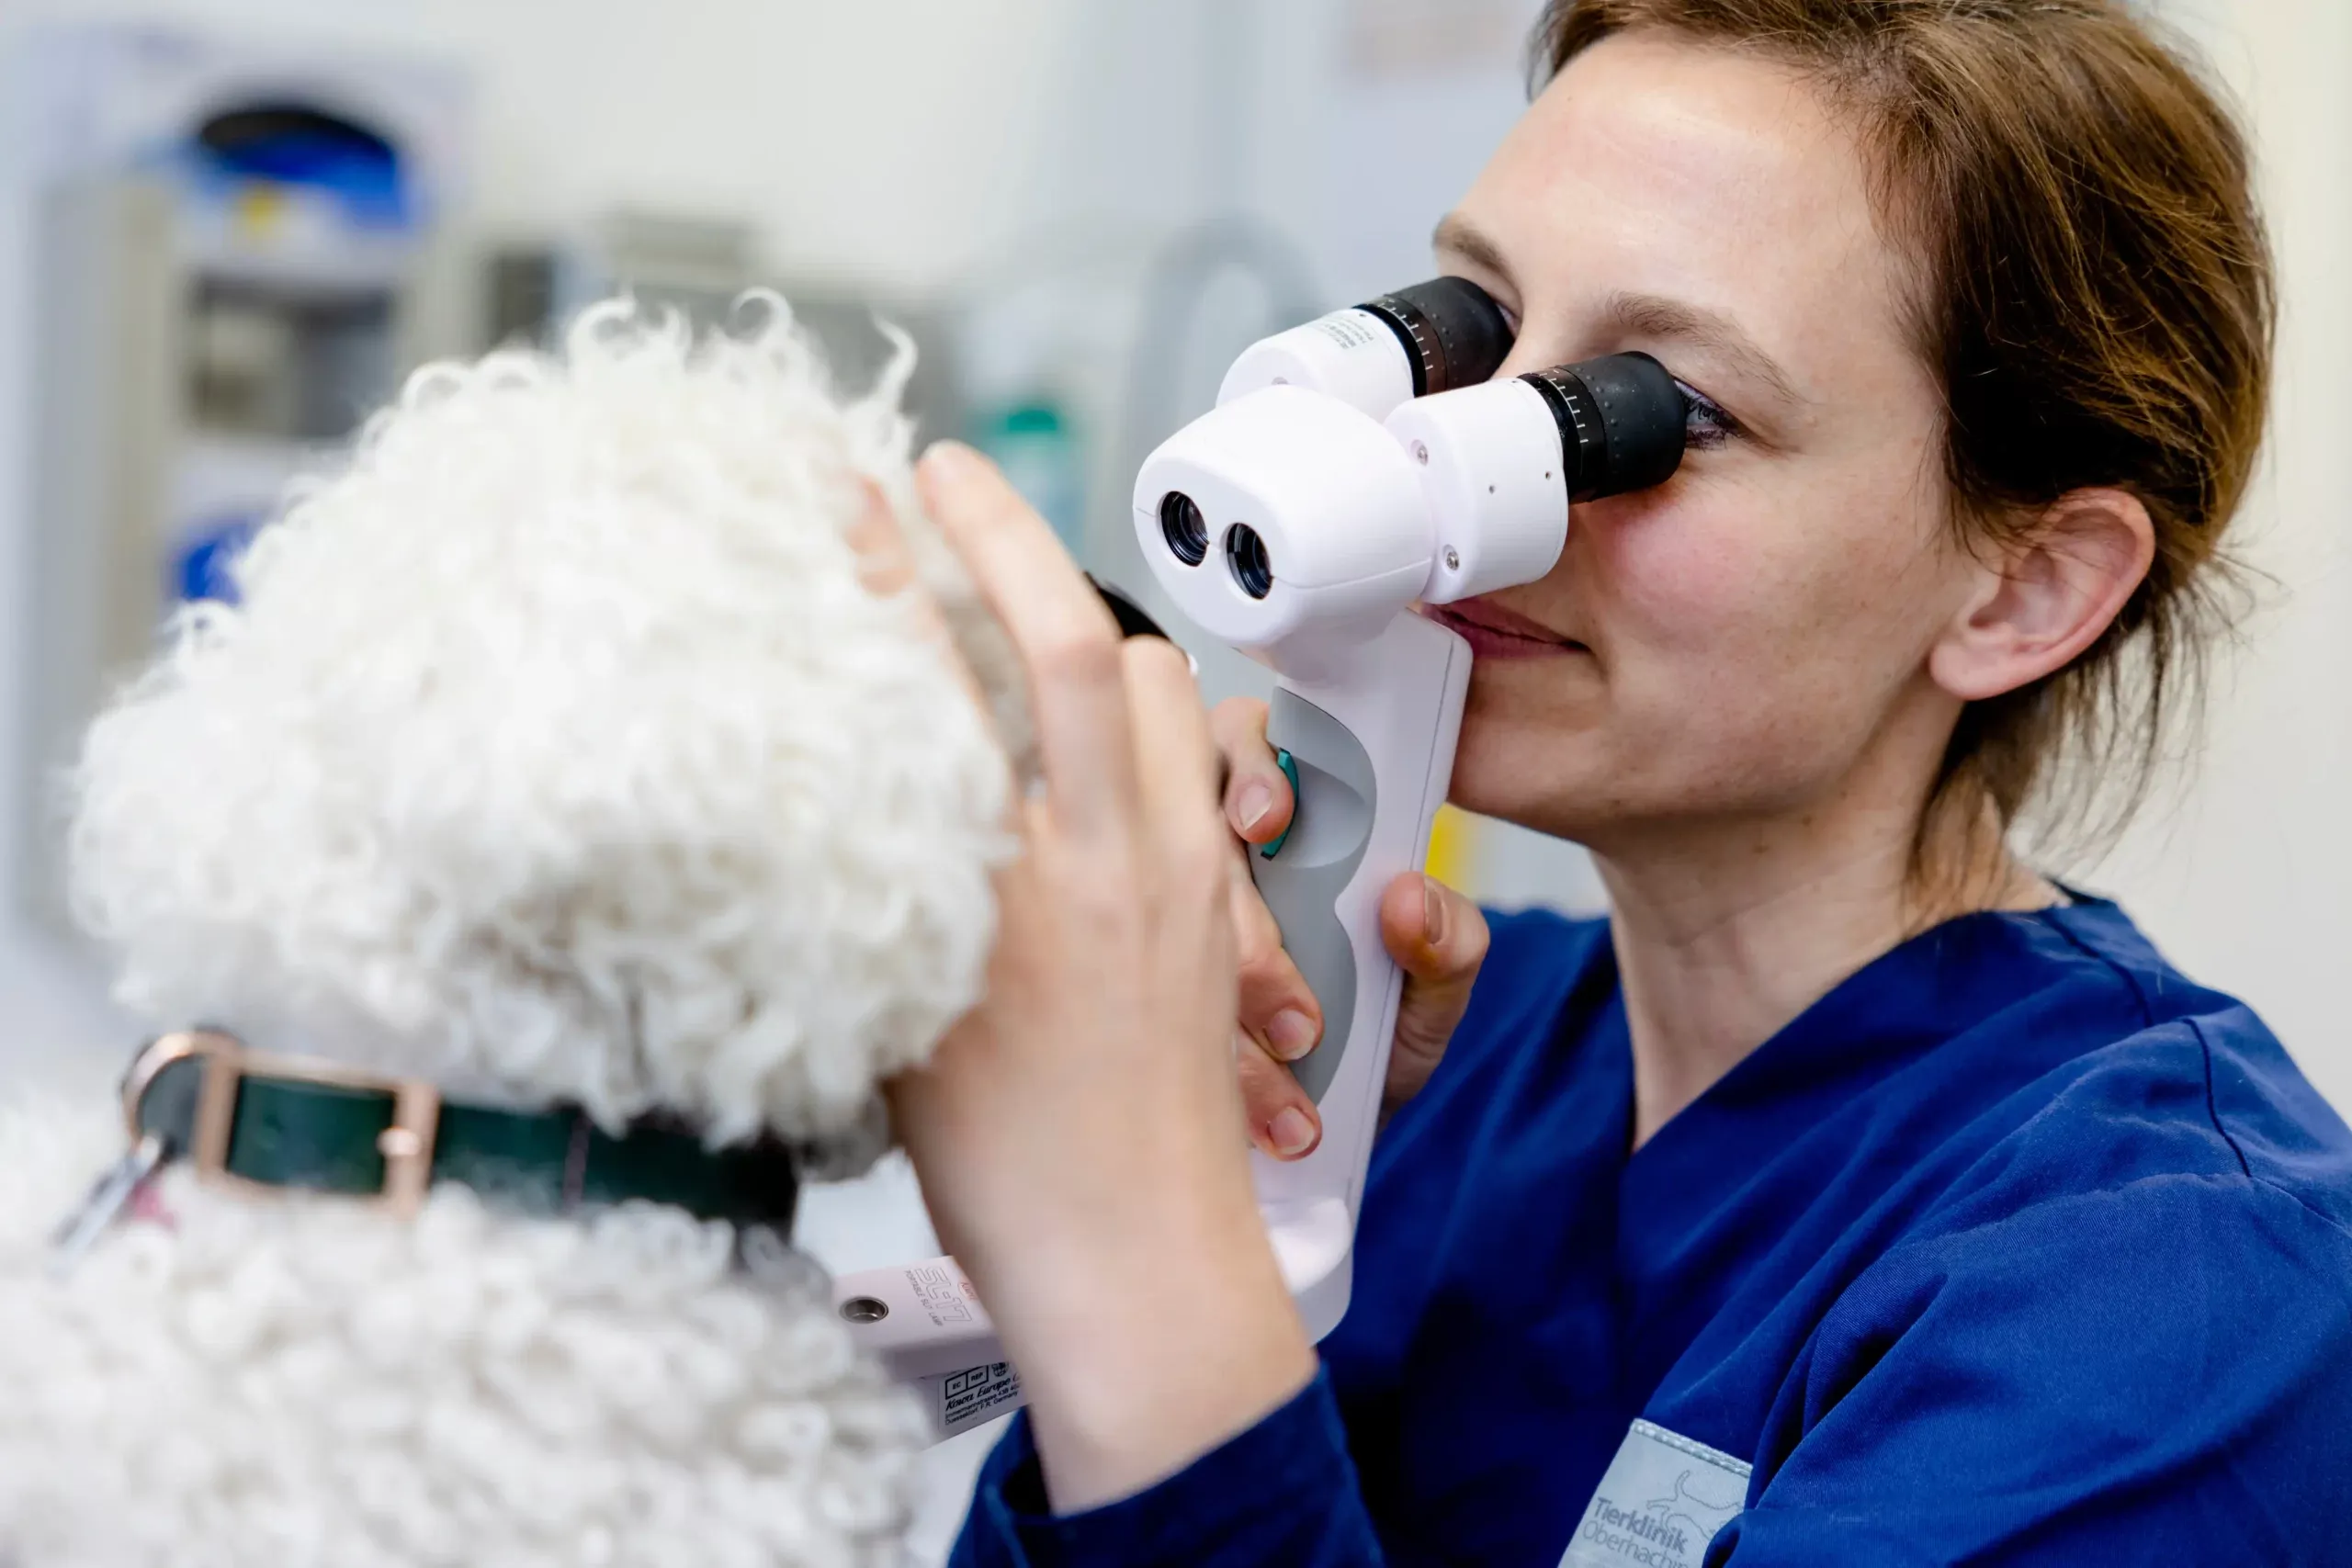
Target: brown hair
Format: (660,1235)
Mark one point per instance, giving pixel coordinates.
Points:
(2094,289)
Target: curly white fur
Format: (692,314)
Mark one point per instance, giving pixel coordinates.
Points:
(305,1383)
(557,750)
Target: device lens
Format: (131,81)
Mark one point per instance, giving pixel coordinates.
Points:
(1246,553)
(1186,530)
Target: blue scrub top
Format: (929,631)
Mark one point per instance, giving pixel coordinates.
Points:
(2017,1246)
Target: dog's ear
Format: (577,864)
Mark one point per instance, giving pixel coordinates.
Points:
(556,748)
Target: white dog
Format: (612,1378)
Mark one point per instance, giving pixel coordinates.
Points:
(559,753)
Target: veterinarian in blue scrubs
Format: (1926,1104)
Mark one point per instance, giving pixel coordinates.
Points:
(1854,1193)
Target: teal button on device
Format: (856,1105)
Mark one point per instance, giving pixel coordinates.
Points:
(1290,770)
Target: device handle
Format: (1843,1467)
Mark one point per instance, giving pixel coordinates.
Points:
(1374,751)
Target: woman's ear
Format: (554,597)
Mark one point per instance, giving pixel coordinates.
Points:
(2046,596)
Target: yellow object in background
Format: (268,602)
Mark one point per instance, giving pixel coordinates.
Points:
(260,211)
(1508,868)
(1453,849)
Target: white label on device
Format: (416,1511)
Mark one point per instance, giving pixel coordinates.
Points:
(1353,329)
(1660,1503)
(976,1395)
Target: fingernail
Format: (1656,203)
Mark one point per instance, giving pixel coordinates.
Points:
(1255,801)
(951,462)
(1290,1132)
(1432,912)
(1291,1034)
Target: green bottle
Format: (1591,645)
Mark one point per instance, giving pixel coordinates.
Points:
(1035,443)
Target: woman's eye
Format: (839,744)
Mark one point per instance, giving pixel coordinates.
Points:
(1704,422)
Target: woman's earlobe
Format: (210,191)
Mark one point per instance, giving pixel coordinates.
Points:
(2048,594)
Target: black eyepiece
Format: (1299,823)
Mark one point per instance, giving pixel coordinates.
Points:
(1622,421)
(1181,525)
(1454,333)
(1246,552)
(1132,618)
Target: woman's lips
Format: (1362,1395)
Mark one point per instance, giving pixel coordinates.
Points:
(1494,632)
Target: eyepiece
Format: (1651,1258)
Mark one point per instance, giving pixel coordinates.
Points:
(1246,553)
(1622,422)
(1454,333)
(1186,530)
(1133,619)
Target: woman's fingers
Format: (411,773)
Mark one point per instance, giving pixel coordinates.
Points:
(887,566)
(1276,1007)
(1281,1119)
(1257,795)
(1280,1020)
(1068,642)
(1438,939)
(883,563)
(1176,763)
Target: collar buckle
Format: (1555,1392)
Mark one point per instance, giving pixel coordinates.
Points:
(406,1144)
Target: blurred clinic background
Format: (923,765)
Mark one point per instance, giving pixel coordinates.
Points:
(227,227)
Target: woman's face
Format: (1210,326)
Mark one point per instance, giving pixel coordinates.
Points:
(1749,639)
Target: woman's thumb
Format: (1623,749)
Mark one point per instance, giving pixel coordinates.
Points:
(1438,939)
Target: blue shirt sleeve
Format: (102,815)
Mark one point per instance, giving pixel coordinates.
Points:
(1284,1493)
(2159,1373)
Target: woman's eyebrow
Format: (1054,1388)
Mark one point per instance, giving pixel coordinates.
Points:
(1654,316)
(1642,315)
(1459,235)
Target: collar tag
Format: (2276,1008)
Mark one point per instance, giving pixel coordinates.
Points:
(116,1192)
(1661,1501)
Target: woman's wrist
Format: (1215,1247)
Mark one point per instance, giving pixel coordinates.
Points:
(1151,1348)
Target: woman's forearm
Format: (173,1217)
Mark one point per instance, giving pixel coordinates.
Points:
(1152,1350)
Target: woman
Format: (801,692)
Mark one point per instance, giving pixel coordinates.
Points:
(1854,1193)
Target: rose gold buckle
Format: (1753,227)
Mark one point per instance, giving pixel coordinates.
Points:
(406,1144)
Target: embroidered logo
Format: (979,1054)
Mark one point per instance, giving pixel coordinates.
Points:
(1660,1503)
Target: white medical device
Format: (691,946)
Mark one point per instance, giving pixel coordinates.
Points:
(1354,469)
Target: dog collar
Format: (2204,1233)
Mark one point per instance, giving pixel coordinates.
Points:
(290,1123)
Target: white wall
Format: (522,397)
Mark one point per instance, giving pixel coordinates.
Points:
(2246,880)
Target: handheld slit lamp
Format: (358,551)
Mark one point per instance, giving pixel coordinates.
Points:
(1353,468)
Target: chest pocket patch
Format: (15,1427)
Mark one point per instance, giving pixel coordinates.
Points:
(1660,1503)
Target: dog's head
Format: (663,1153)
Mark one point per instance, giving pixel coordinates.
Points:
(558,749)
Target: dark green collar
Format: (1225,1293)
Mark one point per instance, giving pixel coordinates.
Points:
(287,1122)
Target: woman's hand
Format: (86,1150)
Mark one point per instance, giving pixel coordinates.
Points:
(1074,1136)
(1436,936)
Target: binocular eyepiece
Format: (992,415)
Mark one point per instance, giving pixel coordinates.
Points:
(1296,478)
